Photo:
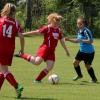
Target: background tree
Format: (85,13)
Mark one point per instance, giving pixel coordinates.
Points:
(33,13)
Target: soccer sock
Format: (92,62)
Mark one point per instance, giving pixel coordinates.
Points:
(1,79)
(78,71)
(42,74)
(92,74)
(10,78)
(27,57)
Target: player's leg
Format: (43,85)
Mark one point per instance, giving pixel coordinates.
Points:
(77,69)
(88,61)
(1,77)
(34,60)
(45,71)
(76,62)
(37,61)
(10,78)
(91,73)
(25,56)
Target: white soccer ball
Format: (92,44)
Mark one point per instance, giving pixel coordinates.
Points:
(53,79)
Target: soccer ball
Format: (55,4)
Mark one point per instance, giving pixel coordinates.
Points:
(53,79)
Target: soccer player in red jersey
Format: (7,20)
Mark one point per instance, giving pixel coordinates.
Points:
(9,28)
(46,51)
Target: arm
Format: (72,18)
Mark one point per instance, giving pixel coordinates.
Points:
(72,40)
(64,46)
(31,32)
(87,41)
(22,42)
(79,40)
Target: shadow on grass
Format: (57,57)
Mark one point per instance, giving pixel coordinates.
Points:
(80,83)
(90,82)
(30,98)
(26,98)
(74,83)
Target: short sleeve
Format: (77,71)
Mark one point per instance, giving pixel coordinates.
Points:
(88,34)
(43,30)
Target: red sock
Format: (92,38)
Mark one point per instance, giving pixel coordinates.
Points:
(26,56)
(42,74)
(1,79)
(10,78)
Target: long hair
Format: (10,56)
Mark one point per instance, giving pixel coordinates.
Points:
(8,10)
(53,17)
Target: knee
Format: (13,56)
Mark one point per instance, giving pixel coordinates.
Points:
(49,68)
(75,63)
(37,62)
(1,74)
(87,66)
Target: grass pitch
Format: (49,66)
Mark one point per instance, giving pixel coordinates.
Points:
(67,89)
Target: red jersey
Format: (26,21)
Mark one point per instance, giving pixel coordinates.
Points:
(51,36)
(8,30)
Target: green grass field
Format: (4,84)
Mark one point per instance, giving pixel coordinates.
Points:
(25,73)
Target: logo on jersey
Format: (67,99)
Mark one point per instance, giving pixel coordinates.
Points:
(55,35)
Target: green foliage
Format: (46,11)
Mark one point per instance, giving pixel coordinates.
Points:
(21,14)
(69,9)
(50,6)
(38,22)
(96,29)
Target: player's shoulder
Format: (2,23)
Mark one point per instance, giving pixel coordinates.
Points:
(87,30)
(44,26)
(7,20)
(2,19)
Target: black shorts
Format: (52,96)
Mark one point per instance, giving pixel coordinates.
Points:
(86,57)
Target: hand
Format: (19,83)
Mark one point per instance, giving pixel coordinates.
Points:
(79,40)
(66,39)
(68,54)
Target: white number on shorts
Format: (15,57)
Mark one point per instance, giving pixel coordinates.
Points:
(7,32)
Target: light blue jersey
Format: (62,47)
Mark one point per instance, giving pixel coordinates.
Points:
(85,34)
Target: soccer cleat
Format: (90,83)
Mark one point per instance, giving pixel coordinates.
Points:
(18,54)
(36,81)
(76,78)
(19,91)
(93,81)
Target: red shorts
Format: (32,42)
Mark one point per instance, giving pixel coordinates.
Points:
(45,53)
(6,60)
(6,57)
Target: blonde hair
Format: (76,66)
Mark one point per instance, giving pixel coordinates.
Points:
(54,17)
(8,10)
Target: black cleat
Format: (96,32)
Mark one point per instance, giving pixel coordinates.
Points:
(93,81)
(18,54)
